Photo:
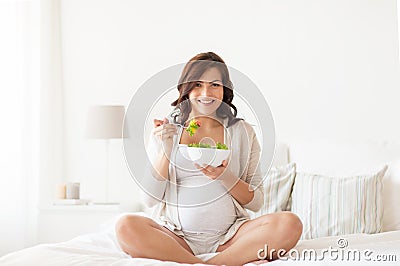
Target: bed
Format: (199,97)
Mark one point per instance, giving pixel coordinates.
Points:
(101,248)
(378,244)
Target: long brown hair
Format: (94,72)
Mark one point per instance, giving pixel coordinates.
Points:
(191,73)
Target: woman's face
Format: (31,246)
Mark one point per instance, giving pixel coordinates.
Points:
(207,94)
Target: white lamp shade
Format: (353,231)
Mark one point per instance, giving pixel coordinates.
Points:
(105,122)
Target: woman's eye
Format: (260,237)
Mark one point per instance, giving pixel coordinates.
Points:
(216,85)
(198,85)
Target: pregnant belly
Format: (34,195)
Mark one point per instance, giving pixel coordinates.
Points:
(205,206)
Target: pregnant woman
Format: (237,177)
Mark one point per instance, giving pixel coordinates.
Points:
(201,209)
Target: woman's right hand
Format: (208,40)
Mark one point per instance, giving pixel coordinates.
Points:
(164,132)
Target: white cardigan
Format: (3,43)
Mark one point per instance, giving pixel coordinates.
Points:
(244,163)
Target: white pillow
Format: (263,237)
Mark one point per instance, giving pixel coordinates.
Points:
(331,206)
(281,156)
(391,198)
(349,157)
(277,189)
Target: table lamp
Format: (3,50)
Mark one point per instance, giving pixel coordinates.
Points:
(105,122)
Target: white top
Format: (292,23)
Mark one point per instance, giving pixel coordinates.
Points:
(204,206)
(162,196)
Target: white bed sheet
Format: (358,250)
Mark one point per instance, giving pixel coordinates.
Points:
(101,248)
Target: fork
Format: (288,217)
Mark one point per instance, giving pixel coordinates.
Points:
(175,113)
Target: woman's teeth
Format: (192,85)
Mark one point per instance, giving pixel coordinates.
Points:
(206,102)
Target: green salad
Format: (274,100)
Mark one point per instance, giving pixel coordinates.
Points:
(219,146)
(192,128)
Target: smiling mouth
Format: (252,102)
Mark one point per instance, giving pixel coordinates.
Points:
(206,102)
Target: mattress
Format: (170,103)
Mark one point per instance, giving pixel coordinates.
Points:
(101,248)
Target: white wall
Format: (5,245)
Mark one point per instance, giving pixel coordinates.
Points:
(398,22)
(327,68)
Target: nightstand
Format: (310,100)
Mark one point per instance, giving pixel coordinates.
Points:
(58,223)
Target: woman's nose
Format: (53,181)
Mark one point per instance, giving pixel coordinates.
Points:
(205,91)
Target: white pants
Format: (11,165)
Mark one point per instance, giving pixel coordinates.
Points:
(201,243)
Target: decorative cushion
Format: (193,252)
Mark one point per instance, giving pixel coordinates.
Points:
(330,206)
(277,188)
(347,157)
(391,197)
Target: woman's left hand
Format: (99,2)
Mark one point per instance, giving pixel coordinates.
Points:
(213,172)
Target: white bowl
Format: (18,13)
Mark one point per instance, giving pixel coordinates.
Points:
(208,156)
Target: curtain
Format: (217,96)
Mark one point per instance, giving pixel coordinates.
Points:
(398,24)
(19,118)
(30,116)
